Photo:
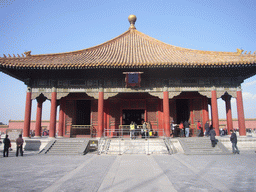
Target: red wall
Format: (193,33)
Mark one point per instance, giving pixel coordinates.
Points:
(20,125)
(249,123)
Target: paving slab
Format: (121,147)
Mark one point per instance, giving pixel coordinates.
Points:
(94,172)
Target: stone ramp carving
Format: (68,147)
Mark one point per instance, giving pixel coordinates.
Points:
(137,146)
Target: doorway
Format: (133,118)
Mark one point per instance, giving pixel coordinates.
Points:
(182,110)
(133,115)
(83,112)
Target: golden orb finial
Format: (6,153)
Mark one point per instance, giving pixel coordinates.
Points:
(132,19)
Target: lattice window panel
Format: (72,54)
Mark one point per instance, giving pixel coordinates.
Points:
(197,103)
(141,104)
(152,110)
(133,104)
(94,111)
(114,110)
(69,111)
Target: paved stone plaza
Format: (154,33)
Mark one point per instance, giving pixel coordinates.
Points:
(93,172)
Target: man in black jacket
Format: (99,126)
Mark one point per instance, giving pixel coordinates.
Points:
(233,140)
(6,146)
(212,136)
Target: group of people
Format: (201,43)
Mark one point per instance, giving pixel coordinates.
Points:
(7,145)
(182,130)
(146,130)
(209,132)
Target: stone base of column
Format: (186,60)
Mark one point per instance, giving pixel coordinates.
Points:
(37,137)
(26,137)
(59,137)
(52,138)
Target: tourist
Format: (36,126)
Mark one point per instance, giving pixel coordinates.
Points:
(233,139)
(207,128)
(7,144)
(19,143)
(172,129)
(212,134)
(186,125)
(143,130)
(199,128)
(181,126)
(132,128)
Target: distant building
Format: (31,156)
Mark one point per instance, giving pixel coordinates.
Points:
(132,77)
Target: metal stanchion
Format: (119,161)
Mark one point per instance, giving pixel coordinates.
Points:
(119,145)
(148,146)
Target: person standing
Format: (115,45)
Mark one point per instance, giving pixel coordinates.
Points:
(19,143)
(233,139)
(207,128)
(186,125)
(7,143)
(212,136)
(143,130)
(199,128)
(172,129)
(181,126)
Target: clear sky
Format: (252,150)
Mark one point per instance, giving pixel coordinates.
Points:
(55,26)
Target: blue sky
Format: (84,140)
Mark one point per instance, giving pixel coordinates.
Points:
(55,26)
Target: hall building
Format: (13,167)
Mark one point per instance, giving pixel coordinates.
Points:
(132,77)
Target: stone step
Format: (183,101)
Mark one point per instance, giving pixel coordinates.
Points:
(201,146)
(65,147)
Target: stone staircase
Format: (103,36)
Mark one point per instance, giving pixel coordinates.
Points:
(202,146)
(114,146)
(67,147)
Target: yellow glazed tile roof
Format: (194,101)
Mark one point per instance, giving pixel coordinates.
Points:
(131,49)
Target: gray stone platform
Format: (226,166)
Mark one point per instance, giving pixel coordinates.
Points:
(92,172)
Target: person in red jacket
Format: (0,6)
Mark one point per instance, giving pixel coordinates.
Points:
(181,126)
(199,128)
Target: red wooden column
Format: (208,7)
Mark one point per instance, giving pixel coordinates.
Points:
(205,112)
(39,116)
(106,118)
(61,118)
(191,107)
(53,113)
(240,113)
(100,112)
(227,99)
(215,118)
(27,118)
(166,112)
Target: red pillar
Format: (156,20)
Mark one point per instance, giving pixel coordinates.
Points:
(191,112)
(100,112)
(53,114)
(166,112)
(215,118)
(61,118)
(240,113)
(107,118)
(26,130)
(227,99)
(39,117)
(205,112)
(192,123)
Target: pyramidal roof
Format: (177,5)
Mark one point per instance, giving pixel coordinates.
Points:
(132,49)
